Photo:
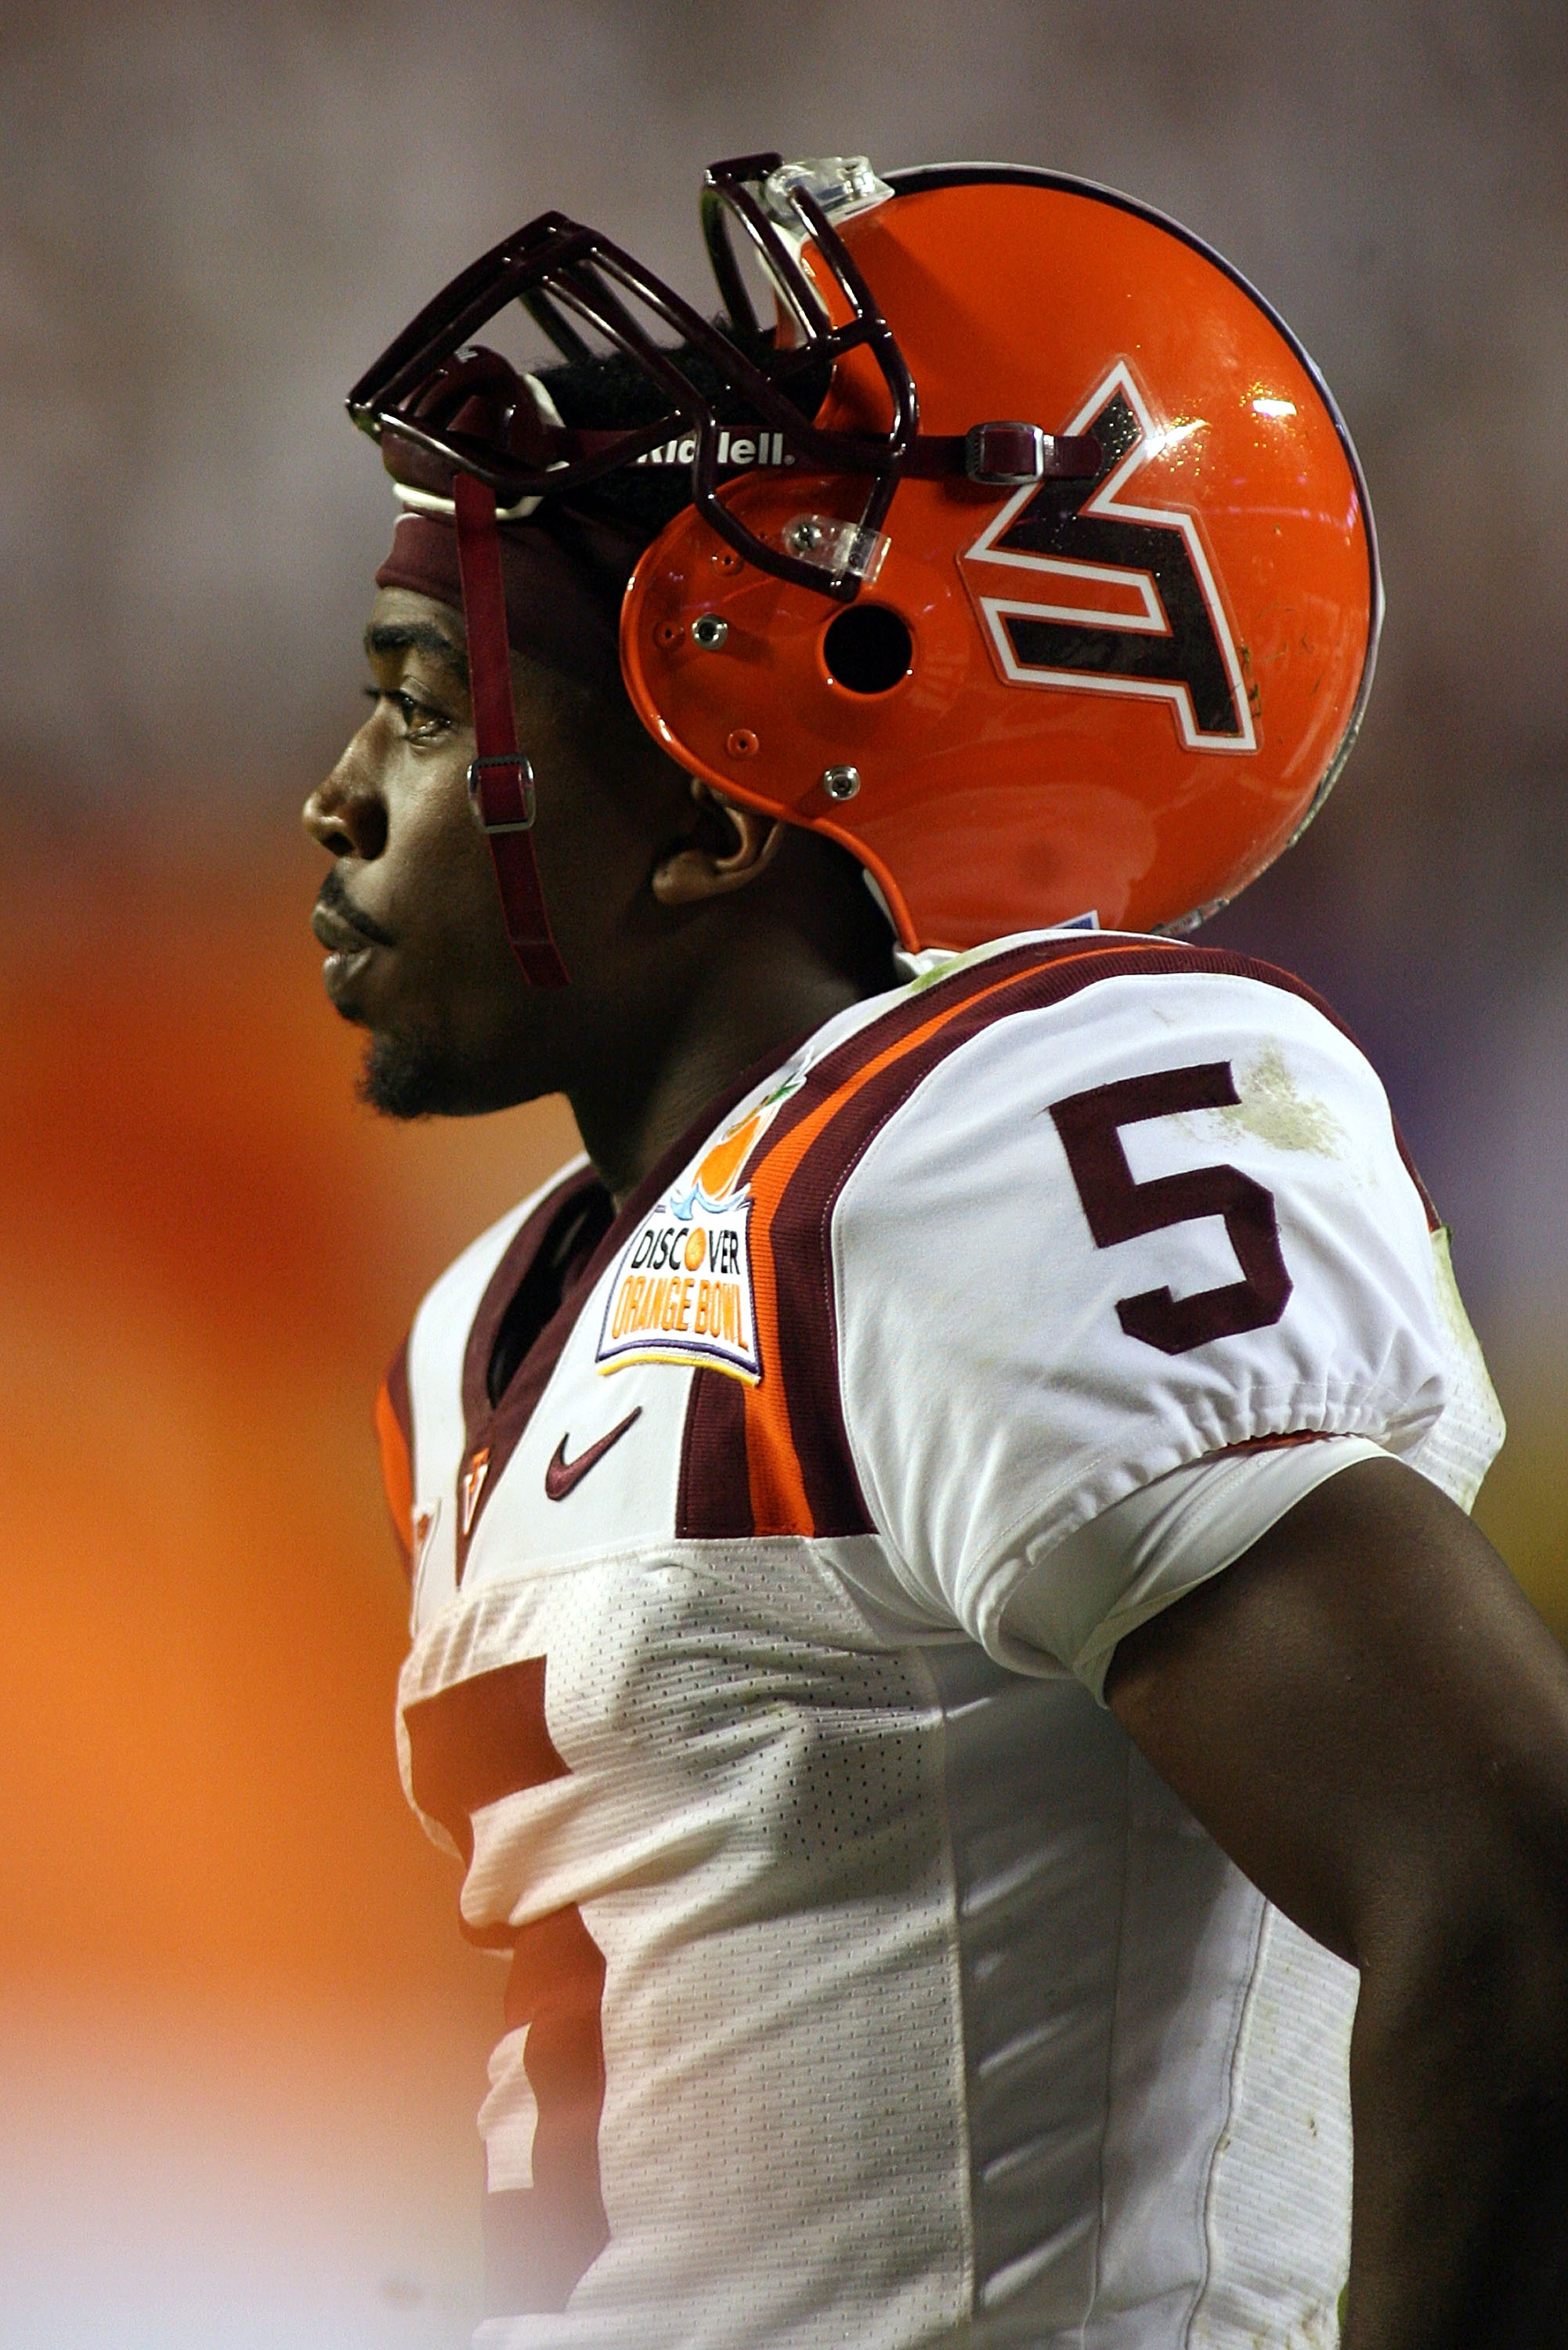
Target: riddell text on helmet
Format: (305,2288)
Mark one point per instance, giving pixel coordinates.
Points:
(741,451)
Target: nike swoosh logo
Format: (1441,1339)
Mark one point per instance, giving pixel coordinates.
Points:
(563,1476)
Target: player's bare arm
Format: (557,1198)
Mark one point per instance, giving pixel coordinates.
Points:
(1373,1721)
(945,1634)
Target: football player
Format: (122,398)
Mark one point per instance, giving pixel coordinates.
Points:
(946,1635)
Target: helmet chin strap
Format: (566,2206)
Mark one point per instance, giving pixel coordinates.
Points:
(500,779)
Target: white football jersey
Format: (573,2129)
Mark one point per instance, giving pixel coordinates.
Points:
(866,1984)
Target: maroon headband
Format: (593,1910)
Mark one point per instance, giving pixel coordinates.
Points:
(564,585)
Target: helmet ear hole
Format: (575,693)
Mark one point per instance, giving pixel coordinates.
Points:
(868,649)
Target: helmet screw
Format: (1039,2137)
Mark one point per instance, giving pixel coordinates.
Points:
(841,783)
(709,631)
(804,536)
(667,633)
(742,744)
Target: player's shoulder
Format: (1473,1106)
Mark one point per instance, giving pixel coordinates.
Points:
(1166,1023)
(982,1042)
(1095,993)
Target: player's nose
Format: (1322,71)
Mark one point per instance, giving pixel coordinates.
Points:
(346,814)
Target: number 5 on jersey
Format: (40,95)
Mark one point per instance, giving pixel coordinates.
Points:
(471,1745)
(1119,1209)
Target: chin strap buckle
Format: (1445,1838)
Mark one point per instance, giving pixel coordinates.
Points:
(1004,456)
(493,808)
(500,780)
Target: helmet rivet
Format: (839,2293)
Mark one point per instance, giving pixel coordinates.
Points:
(709,631)
(667,633)
(742,744)
(841,783)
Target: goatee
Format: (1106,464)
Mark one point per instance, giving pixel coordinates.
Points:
(406,1076)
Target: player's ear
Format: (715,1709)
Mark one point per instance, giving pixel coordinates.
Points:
(730,846)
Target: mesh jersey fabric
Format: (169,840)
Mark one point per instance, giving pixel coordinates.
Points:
(866,1984)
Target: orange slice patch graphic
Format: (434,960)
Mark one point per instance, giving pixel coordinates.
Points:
(724,1161)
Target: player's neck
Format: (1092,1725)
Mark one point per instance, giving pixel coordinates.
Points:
(652,1081)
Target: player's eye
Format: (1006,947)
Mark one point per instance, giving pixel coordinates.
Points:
(419,721)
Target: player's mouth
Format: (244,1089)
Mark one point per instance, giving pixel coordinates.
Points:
(349,937)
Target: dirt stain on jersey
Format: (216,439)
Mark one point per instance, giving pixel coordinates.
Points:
(1274,1107)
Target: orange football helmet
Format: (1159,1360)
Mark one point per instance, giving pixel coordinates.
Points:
(1065,595)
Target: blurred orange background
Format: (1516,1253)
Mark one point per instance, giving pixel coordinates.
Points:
(227,1951)
(243,2046)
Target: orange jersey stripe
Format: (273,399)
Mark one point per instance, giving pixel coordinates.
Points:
(779,1504)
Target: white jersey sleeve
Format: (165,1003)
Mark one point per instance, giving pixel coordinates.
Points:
(1156,1544)
(1103,1238)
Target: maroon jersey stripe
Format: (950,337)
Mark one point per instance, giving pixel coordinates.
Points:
(471,1743)
(477,1741)
(808,1344)
(498,1432)
(902,1019)
(495,1431)
(541,2241)
(500,1290)
(799,1234)
(714,1496)
(808,1336)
